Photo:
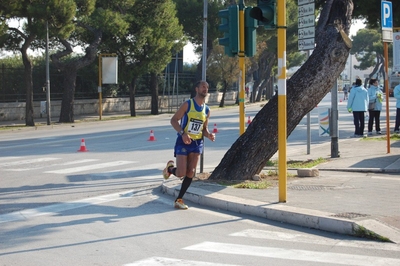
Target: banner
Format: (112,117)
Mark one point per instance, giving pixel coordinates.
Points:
(396,51)
(323,121)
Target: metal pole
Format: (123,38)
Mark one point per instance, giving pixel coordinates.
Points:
(242,67)
(333,122)
(99,88)
(282,113)
(47,76)
(308,122)
(204,65)
(386,55)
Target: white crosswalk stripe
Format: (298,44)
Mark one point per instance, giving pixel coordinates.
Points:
(89,167)
(290,255)
(159,261)
(293,254)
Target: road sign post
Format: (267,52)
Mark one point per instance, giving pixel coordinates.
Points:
(387,36)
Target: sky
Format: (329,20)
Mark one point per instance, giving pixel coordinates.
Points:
(190,57)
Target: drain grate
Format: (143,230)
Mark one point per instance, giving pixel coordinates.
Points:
(350,215)
(310,187)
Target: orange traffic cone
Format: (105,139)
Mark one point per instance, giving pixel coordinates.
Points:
(248,121)
(215,130)
(83,146)
(151,138)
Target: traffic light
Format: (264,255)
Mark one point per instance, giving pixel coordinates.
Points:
(230,27)
(250,26)
(265,13)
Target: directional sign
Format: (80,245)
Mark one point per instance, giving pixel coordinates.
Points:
(307,21)
(306,25)
(306,33)
(306,10)
(307,44)
(386,15)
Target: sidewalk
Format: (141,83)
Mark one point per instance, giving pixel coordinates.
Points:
(356,194)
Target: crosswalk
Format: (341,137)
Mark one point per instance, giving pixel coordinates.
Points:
(57,165)
(291,256)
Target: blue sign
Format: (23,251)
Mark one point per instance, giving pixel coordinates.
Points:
(386,15)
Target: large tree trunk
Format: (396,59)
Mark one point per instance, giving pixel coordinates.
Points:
(132,92)
(67,103)
(154,93)
(28,81)
(70,70)
(305,89)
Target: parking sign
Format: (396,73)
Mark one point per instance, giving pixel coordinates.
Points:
(386,15)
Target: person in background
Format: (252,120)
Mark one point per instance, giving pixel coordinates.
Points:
(191,124)
(345,92)
(396,94)
(375,98)
(358,104)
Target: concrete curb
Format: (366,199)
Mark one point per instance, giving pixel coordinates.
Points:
(292,215)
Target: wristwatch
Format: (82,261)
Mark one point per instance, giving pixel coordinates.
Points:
(181,132)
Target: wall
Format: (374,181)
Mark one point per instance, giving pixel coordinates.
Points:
(16,111)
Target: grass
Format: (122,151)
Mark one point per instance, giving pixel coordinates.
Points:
(362,232)
(394,137)
(298,164)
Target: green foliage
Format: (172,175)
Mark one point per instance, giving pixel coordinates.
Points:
(367,44)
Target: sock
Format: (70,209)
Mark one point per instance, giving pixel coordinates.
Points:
(185,185)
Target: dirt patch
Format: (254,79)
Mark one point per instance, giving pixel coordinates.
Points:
(272,180)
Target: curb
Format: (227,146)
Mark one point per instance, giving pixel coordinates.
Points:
(292,215)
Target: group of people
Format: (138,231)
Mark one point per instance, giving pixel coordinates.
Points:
(361,100)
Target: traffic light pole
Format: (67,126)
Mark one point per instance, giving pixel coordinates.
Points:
(242,65)
(282,119)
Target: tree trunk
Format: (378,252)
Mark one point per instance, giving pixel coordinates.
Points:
(222,102)
(70,70)
(29,121)
(132,91)
(305,89)
(67,103)
(154,93)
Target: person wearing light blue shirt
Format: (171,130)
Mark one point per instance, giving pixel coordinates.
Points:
(358,104)
(396,94)
(375,98)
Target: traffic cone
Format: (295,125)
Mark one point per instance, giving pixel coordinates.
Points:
(83,146)
(151,138)
(248,121)
(215,130)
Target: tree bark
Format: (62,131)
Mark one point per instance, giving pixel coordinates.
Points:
(305,89)
(70,70)
(132,102)
(29,121)
(154,93)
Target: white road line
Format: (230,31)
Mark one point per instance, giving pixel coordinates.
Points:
(304,238)
(29,161)
(55,209)
(159,261)
(9,158)
(294,254)
(88,167)
(51,165)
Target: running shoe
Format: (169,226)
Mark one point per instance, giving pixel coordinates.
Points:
(167,174)
(180,205)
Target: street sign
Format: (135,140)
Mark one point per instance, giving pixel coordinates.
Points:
(306,10)
(386,15)
(306,25)
(306,44)
(306,33)
(387,21)
(307,21)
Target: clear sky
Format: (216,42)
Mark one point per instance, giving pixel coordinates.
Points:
(190,57)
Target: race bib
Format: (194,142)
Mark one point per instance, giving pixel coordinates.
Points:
(195,126)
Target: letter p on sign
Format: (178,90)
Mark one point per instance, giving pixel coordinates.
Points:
(386,15)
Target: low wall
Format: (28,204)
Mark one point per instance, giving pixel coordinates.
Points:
(16,111)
